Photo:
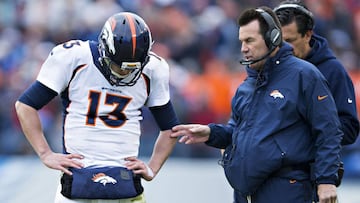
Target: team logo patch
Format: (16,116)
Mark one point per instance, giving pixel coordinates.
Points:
(276,94)
(103,179)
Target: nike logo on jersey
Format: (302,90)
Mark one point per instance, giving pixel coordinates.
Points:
(103,179)
(111,89)
(350,101)
(276,94)
(322,97)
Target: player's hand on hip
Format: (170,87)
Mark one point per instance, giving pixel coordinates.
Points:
(327,193)
(191,133)
(140,168)
(62,161)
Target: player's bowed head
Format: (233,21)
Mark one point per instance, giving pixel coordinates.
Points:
(124,45)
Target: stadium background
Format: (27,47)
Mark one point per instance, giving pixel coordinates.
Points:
(199,40)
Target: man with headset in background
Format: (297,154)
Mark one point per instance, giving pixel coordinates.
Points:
(297,29)
(283,119)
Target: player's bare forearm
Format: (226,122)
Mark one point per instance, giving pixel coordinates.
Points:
(31,126)
(162,150)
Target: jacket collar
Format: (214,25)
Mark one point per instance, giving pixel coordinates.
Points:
(272,62)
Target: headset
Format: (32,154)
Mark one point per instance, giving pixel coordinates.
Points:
(299,8)
(273,36)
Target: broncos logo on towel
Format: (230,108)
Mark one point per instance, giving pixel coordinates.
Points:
(103,179)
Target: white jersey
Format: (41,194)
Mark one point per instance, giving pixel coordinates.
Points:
(102,122)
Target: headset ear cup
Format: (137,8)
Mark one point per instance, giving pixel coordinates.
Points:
(268,39)
(275,37)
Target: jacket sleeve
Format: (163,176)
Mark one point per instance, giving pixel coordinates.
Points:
(221,135)
(342,89)
(321,114)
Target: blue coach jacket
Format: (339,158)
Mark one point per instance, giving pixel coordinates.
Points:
(281,117)
(340,84)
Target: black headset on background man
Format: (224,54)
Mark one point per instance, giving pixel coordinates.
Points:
(273,37)
(303,10)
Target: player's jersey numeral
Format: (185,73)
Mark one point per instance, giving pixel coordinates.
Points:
(69,44)
(115,118)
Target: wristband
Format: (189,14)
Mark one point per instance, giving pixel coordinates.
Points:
(149,171)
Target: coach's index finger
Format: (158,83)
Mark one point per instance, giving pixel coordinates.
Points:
(178,127)
(175,132)
(180,130)
(189,127)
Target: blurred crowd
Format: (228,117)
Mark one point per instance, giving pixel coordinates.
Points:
(199,38)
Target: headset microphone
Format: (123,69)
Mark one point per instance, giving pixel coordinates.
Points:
(245,62)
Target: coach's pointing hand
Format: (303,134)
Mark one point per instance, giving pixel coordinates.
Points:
(191,133)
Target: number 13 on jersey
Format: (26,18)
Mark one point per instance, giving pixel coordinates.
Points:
(114,118)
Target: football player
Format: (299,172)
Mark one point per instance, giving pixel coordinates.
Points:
(103,85)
